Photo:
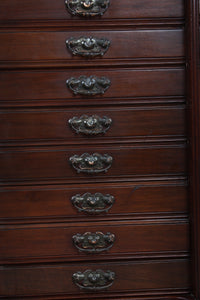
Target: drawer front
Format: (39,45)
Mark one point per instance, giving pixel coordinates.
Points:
(55,164)
(126,122)
(124,83)
(52,10)
(151,277)
(45,46)
(130,199)
(97,241)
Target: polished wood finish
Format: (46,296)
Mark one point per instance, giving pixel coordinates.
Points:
(53,164)
(132,200)
(51,10)
(124,83)
(194,133)
(152,277)
(153,102)
(127,122)
(56,242)
(31,48)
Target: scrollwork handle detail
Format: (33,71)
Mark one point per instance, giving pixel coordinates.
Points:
(93,242)
(91,163)
(94,280)
(87,8)
(90,125)
(93,203)
(88,85)
(88,46)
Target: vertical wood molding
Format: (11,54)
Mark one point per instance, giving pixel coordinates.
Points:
(192,45)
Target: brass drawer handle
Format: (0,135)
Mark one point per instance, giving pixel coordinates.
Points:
(87,8)
(93,203)
(88,46)
(88,85)
(93,242)
(94,280)
(91,163)
(90,125)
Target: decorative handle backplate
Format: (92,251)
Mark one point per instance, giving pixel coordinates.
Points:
(93,203)
(88,85)
(87,8)
(94,280)
(90,125)
(93,242)
(91,163)
(88,46)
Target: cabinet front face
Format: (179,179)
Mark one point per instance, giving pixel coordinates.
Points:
(56,279)
(64,10)
(95,141)
(70,125)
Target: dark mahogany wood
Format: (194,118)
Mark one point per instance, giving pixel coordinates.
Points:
(50,47)
(127,122)
(128,161)
(155,150)
(49,9)
(124,83)
(151,277)
(54,242)
(133,200)
(180,295)
(194,133)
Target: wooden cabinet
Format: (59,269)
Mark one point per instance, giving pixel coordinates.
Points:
(51,10)
(99,159)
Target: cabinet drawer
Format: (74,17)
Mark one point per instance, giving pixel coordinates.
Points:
(126,122)
(92,241)
(51,46)
(144,277)
(127,161)
(125,83)
(55,10)
(130,199)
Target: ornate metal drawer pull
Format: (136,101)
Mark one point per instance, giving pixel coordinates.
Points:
(94,280)
(88,85)
(93,242)
(91,163)
(88,46)
(90,125)
(87,8)
(93,203)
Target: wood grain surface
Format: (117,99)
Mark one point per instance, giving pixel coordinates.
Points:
(51,46)
(55,10)
(51,125)
(124,83)
(53,164)
(135,200)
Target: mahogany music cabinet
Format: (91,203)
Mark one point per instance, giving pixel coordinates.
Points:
(100,150)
